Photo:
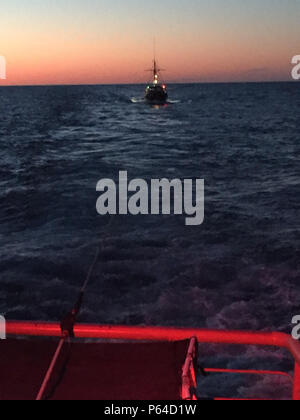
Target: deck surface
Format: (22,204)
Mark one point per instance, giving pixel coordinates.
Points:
(93,371)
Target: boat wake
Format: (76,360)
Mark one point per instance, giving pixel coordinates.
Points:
(144,101)
(173,101)
(138,100)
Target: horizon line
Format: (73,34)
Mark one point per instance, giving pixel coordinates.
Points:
(142,84)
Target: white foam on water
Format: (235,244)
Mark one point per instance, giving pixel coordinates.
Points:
(137,100)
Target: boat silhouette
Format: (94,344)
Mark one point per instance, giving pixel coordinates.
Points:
(156,93)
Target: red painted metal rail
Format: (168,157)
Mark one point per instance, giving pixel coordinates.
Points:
(169,334)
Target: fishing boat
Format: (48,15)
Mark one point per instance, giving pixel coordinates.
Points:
(156,93)
(45,361)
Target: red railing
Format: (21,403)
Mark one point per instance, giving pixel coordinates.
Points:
(172,334)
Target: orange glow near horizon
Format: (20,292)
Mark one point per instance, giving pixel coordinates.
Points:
(60,52)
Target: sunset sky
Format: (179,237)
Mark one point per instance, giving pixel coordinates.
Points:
(111,41)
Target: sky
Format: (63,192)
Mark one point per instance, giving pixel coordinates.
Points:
(111,41)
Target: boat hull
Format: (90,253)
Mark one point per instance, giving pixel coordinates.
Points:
(156,95)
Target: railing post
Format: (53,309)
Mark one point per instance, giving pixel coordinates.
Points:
(189,381)
(296,391)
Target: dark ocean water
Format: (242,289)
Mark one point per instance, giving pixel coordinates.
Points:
(239,270)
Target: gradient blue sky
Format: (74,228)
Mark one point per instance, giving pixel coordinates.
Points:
(102,41)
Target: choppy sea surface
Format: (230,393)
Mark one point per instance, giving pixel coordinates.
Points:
(239,270)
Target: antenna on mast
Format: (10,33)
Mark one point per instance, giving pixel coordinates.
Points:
(155,70)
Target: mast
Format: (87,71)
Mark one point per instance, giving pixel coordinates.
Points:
(155,72)
(155,68)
